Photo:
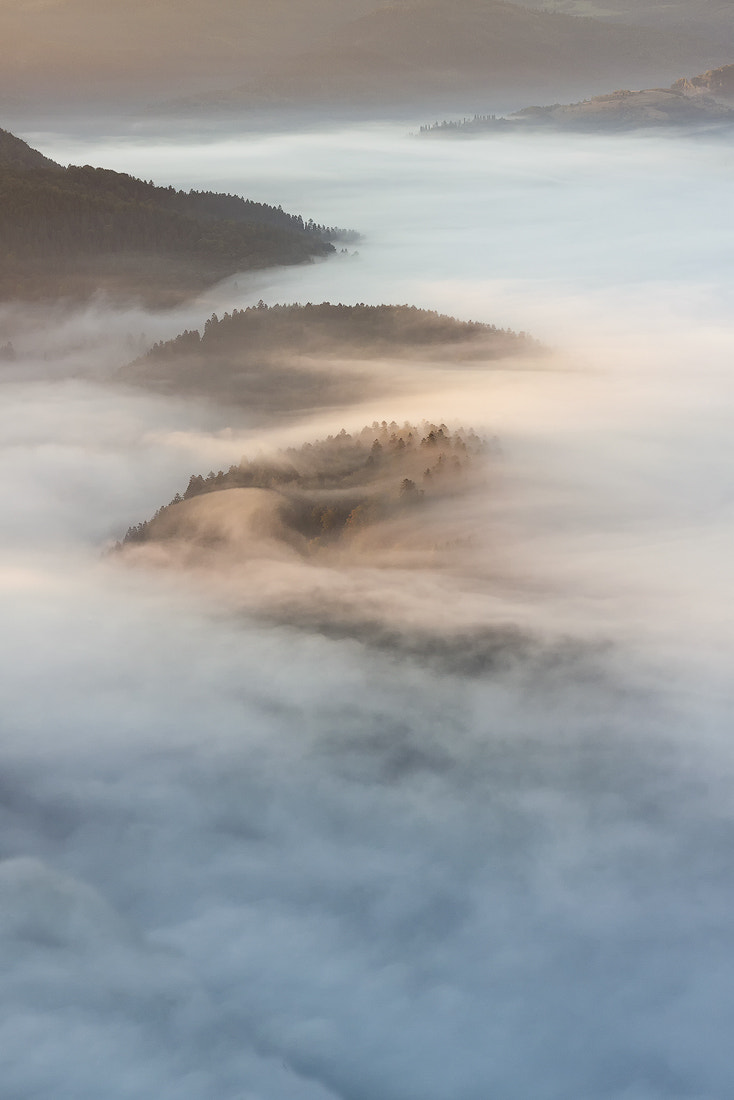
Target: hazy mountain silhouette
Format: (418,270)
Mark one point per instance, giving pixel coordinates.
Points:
(326,51)
(704,20)
(138,49)
(433,50)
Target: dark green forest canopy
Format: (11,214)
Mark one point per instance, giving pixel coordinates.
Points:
(70,231)
(285,358)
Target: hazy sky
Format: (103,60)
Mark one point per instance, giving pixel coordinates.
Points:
(247,860)
(345,55)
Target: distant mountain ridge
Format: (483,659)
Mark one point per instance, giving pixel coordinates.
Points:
(706,18)
(138,49)
(337,53)
(445,50)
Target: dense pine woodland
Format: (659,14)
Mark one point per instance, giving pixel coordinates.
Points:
(68,231)
(275,360)
(314,326)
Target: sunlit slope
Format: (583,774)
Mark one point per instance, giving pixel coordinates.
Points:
(340,535)
(329,495)
(67,232)
(629,110)
(718,83)
(436,50)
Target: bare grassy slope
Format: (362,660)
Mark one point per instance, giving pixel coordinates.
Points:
(628,110)
(718,83)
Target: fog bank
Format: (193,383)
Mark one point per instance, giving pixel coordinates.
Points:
(284,829)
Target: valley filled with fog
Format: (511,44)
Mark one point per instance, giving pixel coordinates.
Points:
(447,817)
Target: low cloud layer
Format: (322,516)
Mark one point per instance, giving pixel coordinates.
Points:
(474,842)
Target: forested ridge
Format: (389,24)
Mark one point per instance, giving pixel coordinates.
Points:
(16,153)
(313,325)
(63,230)
(284,358)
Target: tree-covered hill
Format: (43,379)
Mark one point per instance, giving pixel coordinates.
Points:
(16,153)
(279,537)
(348,53)
(323,494)
(312,327)
(281,358)
(71,231)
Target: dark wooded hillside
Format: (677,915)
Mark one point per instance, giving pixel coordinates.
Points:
(71,231)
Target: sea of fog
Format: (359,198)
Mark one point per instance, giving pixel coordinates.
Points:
(244,858)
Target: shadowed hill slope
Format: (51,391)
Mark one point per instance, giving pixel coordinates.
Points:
(289,358)
(67,232)
(17,154)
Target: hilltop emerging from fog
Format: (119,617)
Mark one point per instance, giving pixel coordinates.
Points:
(294,357)
(68,232)
(688,104)
(319,496)
(717,83)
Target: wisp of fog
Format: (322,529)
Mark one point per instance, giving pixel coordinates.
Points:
(397,823)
